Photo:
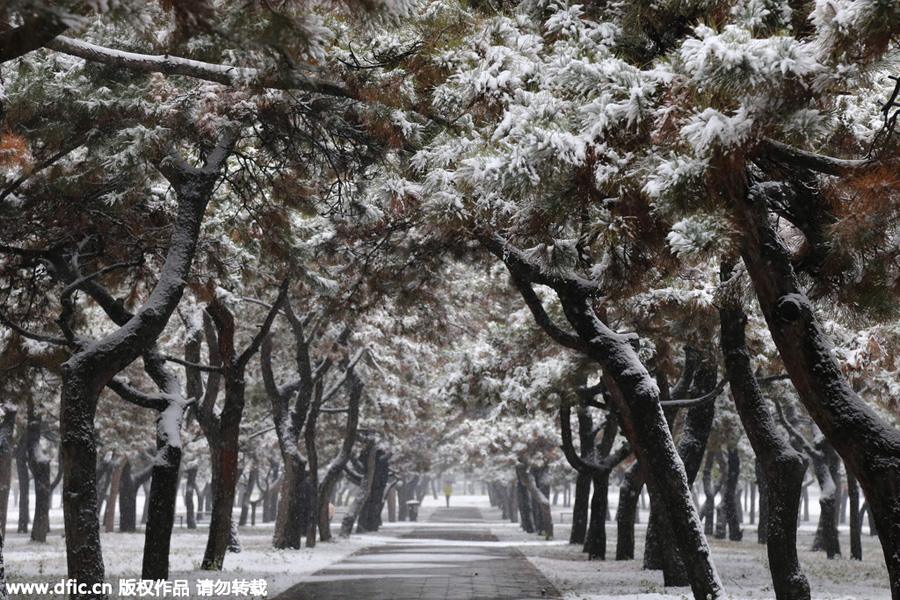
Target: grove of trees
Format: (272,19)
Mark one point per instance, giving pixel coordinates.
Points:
(339,249)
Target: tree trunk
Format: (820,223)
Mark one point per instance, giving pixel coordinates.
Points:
(370,513)
(40,471)
(336,467)
(526,513)
(109,515)
(626,515)
(580,505)
(731,497)
(365,488)
(7,450)
(869,446)
(128,488)
(855,518)
(190,489)
(780,470)
(595,541)
(762,530)
(24,478)
(539,501)
(290,521)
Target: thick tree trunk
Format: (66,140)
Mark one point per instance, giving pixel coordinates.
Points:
(869,446)
(526,513)
(626,515)
(224,465)
(370,513)
(293,506)
(829,503)
(781,469)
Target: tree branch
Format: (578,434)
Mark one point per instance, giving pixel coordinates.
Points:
(157,402)
(228,75)
(688,402)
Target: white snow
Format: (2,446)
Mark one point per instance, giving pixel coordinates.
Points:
(741,565)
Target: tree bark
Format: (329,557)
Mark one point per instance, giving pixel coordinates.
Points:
(782,469)
(370,514)
(869,446)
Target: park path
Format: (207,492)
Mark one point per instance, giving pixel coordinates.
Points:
(440,562)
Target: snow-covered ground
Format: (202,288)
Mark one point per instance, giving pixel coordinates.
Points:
(742,566)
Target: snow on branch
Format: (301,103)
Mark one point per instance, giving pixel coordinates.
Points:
(810,160)
(173,65)
(38,337)
(158,402)
(688,402)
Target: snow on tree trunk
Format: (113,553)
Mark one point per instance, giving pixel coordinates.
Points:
(538,499)
(370,513)
(782,468)
(869,446)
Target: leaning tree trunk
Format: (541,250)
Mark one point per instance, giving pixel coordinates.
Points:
(582,500)
(336,467)
(782,468)
(697,381)
(869,446)
(637,403)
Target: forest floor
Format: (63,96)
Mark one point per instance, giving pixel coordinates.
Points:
(741,565)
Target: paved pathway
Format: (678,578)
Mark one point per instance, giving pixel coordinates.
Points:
(435,564)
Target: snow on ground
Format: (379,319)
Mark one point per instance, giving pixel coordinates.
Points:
(741,565)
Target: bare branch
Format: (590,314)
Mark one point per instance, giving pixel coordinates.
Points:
(38,337)
(688,402)
(158,402)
